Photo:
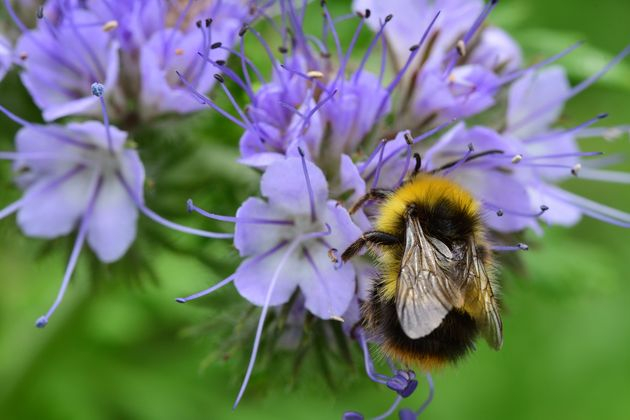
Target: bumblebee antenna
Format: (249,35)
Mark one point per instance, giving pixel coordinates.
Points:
(468,159)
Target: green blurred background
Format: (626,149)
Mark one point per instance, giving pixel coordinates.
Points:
(125,350)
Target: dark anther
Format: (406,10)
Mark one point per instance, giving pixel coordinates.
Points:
(418,159)
(602,116)
(300,151)
(219,78)
(367,13)
(414,47)
(471,148)
(499,212)
(282,49)
(198,23)
(244,29)
(208,22)
(544,208)
(403,382)
(220,62)
(388,18)
(216,45)
(322,3)
(408,138)
(523,247)
(325,54)
(40,12)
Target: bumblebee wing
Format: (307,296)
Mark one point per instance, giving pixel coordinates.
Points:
(482,303)
(424,294)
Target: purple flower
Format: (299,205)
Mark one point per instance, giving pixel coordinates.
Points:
(457,16)
(61,61)
(134,47)
(289,240)
(327,290)
(456,77)
(80,176)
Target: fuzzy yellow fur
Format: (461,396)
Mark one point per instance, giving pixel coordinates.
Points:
(422,190)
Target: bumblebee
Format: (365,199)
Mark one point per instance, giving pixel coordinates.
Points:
(435,293)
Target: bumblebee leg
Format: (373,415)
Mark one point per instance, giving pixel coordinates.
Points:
(374,194)
(373,237)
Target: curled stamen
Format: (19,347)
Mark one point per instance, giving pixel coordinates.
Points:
(191,207)
(408,414)
(309,187)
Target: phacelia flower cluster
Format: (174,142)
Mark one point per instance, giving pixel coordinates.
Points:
(324,121)
(332,123)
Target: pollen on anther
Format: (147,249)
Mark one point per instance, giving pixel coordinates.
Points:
(576,168)
(517,158)
(461,48)
(315,74)
(179,51)
(110,25)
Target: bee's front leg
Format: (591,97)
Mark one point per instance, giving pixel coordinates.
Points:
(373,237)
(373,194)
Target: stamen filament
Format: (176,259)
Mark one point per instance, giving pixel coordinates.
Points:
(572,92)
(172,225)
(74,256)
(191,207)
(454,54)
(231,278)
(261,321)
(309,187)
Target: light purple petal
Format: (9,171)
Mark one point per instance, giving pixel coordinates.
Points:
(95,132)
(467,91)
(412,17)
(253,277)
(48,213)
(349,180)
(284,184)
(112,226)
(328,291)
(502,190)
(254,238)
(496,50)
(67,90)
(526,96)
(560,212)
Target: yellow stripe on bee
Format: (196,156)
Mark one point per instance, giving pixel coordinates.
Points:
(423,190)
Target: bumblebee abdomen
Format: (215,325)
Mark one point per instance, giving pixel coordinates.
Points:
(449,342)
